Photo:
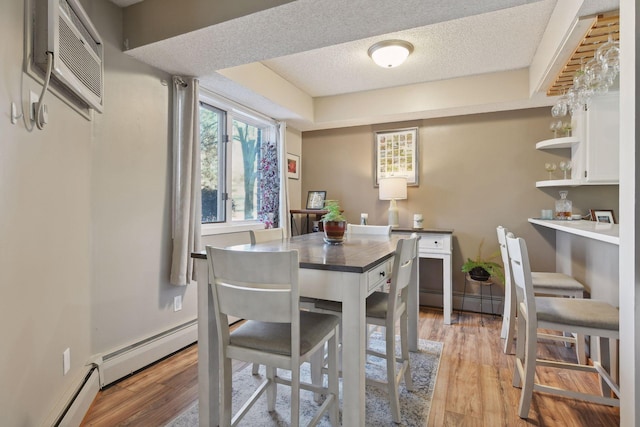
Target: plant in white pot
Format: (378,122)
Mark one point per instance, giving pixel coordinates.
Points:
(333,222)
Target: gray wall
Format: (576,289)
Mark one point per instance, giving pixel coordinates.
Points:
(476,172)
(84,223)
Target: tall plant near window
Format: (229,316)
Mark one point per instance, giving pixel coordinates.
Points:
(269,185)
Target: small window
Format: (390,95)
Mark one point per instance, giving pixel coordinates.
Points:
(230,141)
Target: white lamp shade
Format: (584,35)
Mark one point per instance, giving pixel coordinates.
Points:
(390,53)
(393,188)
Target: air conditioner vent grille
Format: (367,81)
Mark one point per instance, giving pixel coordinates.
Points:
(80,26)
(79,60)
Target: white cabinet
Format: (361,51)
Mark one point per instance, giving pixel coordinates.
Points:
(595,144)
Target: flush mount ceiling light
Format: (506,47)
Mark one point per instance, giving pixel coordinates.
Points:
(390,53)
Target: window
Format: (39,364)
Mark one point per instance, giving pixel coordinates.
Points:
(231,138)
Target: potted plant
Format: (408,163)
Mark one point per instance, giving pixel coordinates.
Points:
(334,223)
(481,269)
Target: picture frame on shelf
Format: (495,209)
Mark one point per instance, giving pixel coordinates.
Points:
(293,166)
(396,154)
(603,216)
(315,200)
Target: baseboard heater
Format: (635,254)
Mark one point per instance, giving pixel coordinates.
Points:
(125,361)
(105,369)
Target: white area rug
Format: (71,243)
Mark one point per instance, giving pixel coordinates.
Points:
(414,405)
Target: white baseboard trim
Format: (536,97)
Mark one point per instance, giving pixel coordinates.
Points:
(118,364)
(105,369)
(431,298)
(83,401)
(75,401)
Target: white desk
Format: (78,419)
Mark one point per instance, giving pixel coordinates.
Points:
(437,244)
(346,273)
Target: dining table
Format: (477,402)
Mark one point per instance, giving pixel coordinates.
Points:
(346,272)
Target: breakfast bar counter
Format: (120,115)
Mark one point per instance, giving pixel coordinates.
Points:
(609,233)
(588,251)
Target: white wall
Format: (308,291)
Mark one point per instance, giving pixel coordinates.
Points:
(45,242)
(84,224)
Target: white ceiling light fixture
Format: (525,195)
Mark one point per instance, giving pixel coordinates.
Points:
(390,53)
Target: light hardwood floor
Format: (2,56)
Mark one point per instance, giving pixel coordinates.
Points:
(473,386)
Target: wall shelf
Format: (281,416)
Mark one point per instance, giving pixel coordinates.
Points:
(553,143)
(559,183)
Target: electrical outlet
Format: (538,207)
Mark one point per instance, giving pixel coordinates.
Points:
(66,361)
(177,303)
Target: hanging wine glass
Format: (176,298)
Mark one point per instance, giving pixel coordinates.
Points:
(609,44)
(609,53)
(560,108)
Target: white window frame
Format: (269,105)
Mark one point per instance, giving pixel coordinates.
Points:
(245,114)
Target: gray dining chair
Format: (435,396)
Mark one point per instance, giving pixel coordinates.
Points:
(263,289)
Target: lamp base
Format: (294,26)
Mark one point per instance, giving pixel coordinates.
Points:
(394,222)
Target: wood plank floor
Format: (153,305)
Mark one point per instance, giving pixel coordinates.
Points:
(473,386)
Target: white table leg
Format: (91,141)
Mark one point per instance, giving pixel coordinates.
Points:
(208,358)
(447,284)
(353,350)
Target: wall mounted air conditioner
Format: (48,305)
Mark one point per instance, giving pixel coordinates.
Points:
(63,27)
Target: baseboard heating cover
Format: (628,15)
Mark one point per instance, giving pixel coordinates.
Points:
(118,364)
(79,403)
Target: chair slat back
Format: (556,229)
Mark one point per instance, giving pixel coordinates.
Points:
(255,285)
(405,256)
(521,271)
(266,235)
(504,252)
(379,230)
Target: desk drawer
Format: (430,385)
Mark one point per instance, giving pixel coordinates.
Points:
(432,243)
(379,275)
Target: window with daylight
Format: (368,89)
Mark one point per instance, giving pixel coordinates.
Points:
(239,160)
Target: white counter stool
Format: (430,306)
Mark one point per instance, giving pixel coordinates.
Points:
(585,316)
(544,283)
(263,288)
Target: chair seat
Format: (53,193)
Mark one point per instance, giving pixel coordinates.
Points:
(276,337)
(578,312)
(324,304)
(554,281)
(376,305)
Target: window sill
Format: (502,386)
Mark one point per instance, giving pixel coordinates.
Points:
(239,226)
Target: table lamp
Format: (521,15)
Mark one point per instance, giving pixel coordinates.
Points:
(393,188)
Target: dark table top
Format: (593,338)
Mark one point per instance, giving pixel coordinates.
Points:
(356,254)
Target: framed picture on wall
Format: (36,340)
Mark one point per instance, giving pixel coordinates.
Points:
(293,166)
(315,199)
(396,154)
(603,215)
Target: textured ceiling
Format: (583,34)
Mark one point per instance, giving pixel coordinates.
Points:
(320,46)
(485,43)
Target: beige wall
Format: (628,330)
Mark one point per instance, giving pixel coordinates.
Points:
(476,172)
(84,224)
(294,146)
